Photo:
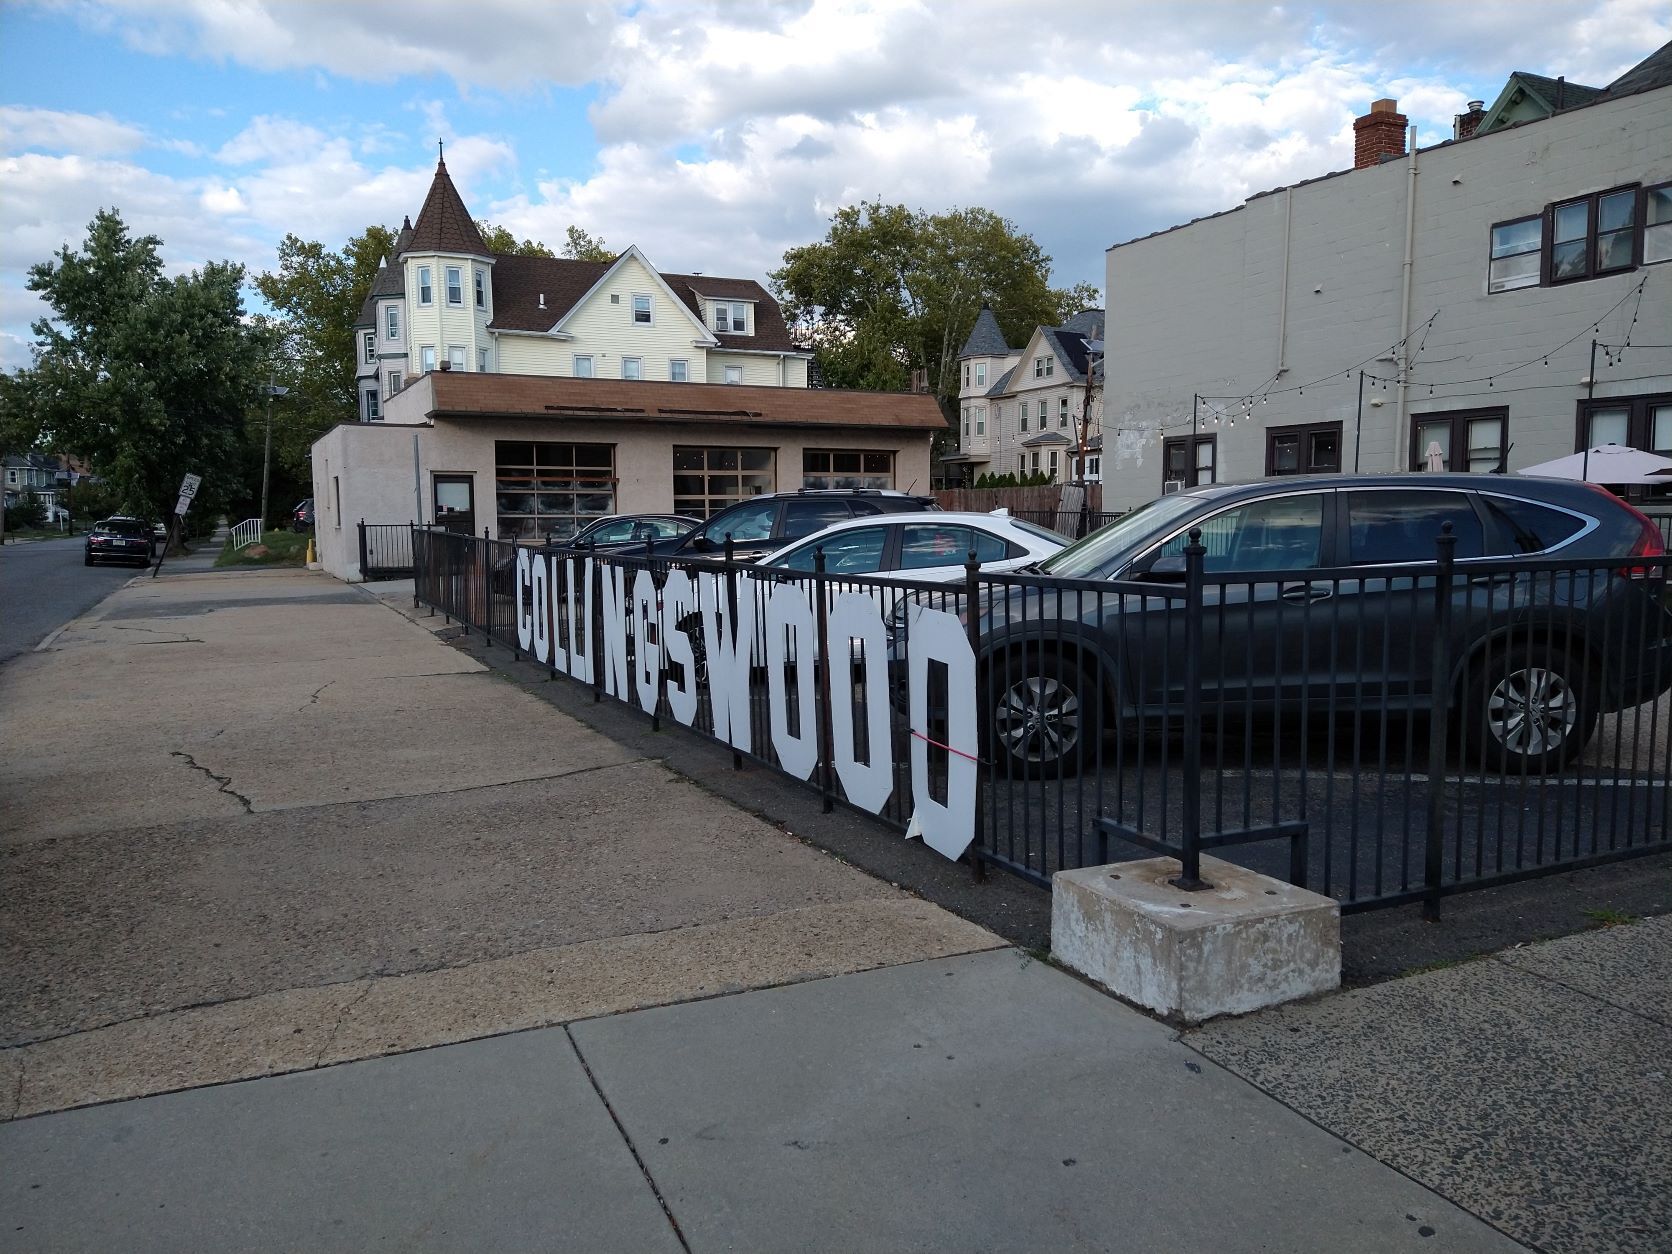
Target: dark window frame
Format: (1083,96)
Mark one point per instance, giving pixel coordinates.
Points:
(1190,443)
(1639,415)
(1303,430)
(1593,203)
(1643,223)
(1459,451)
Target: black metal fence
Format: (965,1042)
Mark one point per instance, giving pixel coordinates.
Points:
(385,550)
(1379,735)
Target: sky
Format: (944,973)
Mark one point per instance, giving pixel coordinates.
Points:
(715,134)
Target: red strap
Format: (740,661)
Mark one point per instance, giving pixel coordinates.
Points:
(948,748)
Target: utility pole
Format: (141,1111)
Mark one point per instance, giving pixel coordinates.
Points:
(267,446)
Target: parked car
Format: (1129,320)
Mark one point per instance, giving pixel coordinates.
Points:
(614,530)
(1537,656)
(302,517)
(764,524)
(118,539)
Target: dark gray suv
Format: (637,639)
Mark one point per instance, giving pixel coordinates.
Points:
(1320,591)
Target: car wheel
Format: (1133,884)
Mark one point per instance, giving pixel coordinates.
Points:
(1533,712)
(86,559)
(1040,709)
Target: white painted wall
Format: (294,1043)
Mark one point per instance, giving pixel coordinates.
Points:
(1197,309)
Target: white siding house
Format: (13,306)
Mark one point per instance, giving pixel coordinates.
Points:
(1466,282)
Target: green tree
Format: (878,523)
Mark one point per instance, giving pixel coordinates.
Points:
(499,240)
(308,348)
(890,290)
(146,377)
(19,426)
(578,245)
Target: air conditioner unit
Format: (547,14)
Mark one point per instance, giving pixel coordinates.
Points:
(1172,485)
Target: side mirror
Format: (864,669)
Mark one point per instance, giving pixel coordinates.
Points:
(701,544)
(1165,570)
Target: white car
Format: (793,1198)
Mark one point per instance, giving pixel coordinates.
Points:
(932,546)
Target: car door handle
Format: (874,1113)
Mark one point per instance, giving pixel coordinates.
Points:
(1306,592)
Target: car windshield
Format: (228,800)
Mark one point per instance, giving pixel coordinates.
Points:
(1034,529)
(123,527)
(1085,557)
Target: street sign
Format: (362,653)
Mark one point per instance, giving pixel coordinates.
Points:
(188,489)
(182,505)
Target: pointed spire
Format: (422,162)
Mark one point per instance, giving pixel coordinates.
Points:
(444,225)
(986,339)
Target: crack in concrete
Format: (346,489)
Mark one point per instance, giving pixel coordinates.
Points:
(342,1017)
(1504,960)
(224,781)
(314,700)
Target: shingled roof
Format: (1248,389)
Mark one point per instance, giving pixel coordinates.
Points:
(986,339)
(444,225)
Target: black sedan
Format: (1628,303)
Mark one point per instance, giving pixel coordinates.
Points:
(118,540)
(1320,594)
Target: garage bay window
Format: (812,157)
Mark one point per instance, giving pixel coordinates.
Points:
(706,480)
(551,490)
(846,468)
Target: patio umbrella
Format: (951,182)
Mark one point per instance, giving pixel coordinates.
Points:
(1611,463)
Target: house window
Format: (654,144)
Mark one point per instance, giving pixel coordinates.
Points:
(583,365)
(481,290)
(679,370)
(1053,465)
(1044,367)
(732,316)
(980,374)
(482,360)
(1022,417)
(1466,439)
(981,420)
(966,423)
(545,489)
(1311,449)
(1657,224)
(1062,411)
(846,468)
(1190,459)
(966,374)
(395,381)
(706,480)
(1592,236)
(1094,467)
(1643,422)
(734,374)
(426,294)
(426,358)
(1034,460)
(455,357)
(371,346)
(641,310)
(392,321)
(455,285)
(1516,248)
(372,413)
(632,367)
(1021,465)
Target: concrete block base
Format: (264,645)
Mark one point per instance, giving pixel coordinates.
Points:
(1248,942)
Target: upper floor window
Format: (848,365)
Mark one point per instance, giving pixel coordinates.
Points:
(1657,224)
(455,356)
(426,293)
(1022,417)
(1190,460)
(641,311)
(481,290)
(395,381)
(966,423)
(1516,247)
(373,414)
(679,370)
(981,420)
(1044,367)
(1310,449)
(371,346)
(632,367)
(734,374)
(731,316)
(392,321)
(980,374)
(583,365)
(426,358)
(1062,411)
(1586,237)
(966,374)
(455,285)
(482,360)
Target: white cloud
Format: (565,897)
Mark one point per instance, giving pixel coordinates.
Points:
(52,130)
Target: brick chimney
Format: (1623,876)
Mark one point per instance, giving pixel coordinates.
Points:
(1379,133)
(1466,124)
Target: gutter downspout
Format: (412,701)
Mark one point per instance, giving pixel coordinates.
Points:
(1403,421)
(1283,306)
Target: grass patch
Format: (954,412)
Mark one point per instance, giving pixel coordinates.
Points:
(1607,916)
(275,548)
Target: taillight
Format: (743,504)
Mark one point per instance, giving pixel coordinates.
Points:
(1649,543)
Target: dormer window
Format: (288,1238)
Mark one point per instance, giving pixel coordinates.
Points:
(980,374)
(732,317)
(641,311)
(1044,367)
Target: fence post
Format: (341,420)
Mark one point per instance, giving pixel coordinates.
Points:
(487,587)
(972,625)
(1439,684)
(412,550)
(729,626)
(595,624)
(821,672)
(1190,800)
(362,550)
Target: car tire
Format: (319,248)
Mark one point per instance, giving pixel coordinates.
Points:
(86,559)
(1039,709)
(1532,712)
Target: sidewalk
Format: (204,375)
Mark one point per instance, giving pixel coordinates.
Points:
(316,934)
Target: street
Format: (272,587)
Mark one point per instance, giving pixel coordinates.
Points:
(44,585)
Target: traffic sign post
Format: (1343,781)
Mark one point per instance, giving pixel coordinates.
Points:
(188,490)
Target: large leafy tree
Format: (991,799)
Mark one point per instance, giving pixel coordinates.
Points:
(578,245)
(891,290)
(308,347)
(145,376)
